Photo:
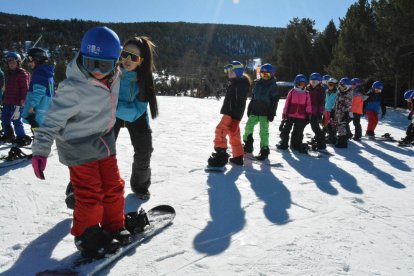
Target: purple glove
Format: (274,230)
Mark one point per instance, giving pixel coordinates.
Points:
(39,165)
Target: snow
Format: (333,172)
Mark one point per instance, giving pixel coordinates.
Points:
(348,214)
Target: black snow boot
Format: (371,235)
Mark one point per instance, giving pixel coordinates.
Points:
(282,146)
(70,197)
(342,142)
(219,158)
(9,137)
(248,144)
(238,160)
(123,236)
(264,153)
(135,222)
(302,148)
(23,141)
(142,194)
(95,243)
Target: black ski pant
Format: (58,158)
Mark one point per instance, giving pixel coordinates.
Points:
(141,138)
(357,124)
(319,134)
(297,133)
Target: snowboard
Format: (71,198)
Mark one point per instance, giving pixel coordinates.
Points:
(159,218)
(14,157)
(214,169)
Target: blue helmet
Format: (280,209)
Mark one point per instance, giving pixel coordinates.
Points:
(236,66)
(101,42)
(326,77)
(345,83)
(315,76)
(408,95)
(300,78)
(356,81)
(13,55)
(268,68)
(378,85)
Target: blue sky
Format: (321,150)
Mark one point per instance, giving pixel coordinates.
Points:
(270,13)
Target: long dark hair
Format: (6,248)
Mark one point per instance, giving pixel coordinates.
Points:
(144,72)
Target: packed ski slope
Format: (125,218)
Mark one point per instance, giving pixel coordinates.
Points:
(347,214)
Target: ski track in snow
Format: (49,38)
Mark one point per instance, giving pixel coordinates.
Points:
(351,213)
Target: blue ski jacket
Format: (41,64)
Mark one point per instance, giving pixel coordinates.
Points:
(40,93)
(129,107)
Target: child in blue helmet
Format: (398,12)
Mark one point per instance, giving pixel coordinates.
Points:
(343,111)
(14,95)
(233,108)
(80,119)
(261,109)
(41,88)
(372,106)
(296,114)
(409,138)
(317,96)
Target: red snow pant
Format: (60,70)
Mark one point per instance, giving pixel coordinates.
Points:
(99,195)
(372,120)
(326,118)
(222,130)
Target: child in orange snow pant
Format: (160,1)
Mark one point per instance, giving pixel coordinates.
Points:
(99,194)
(222,130)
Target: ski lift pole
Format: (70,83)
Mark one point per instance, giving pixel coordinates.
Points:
(34,45)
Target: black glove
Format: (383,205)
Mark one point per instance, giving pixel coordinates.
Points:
(410,116)
(249,109)
(270,117)
(282,125)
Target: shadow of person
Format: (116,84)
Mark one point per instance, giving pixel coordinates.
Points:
(7,166)
(37,255)
(271,191)
(132,203)
(367,165)
(393,161)
(323,172)
(227,215)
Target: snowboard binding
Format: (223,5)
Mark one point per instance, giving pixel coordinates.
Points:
(16,153)
(135,222)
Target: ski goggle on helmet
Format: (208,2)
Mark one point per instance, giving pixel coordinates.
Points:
(236,67)
(93,64)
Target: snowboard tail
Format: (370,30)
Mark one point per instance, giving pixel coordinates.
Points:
(160,217)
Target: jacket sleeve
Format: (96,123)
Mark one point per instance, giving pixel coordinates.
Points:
(242,90)
(308,104)
(321,101)
(274,101)
(287,102)
(38,93)
(24,81)
(63,107)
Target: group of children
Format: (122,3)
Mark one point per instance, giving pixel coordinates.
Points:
(326,104)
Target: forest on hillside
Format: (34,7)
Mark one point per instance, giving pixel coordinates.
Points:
(374,41)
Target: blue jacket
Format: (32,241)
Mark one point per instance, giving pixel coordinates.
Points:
(129,107)
(374,102)
(40,93)
(330,97)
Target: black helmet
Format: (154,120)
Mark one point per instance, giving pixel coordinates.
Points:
(37,54)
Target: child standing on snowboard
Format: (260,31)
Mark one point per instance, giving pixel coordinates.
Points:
(262,109)
(373,104)
(296,114)
(81,119)
(233,108)
(343,111)
(317,96)
(409,139)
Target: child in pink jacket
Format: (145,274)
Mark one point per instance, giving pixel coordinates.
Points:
(296,114)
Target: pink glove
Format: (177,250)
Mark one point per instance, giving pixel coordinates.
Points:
(39,165)
(234,126)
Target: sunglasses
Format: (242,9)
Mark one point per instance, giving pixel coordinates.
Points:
(131,56)
(11,59)
(103,66)
(266,75)
(228,69)
(331,83)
